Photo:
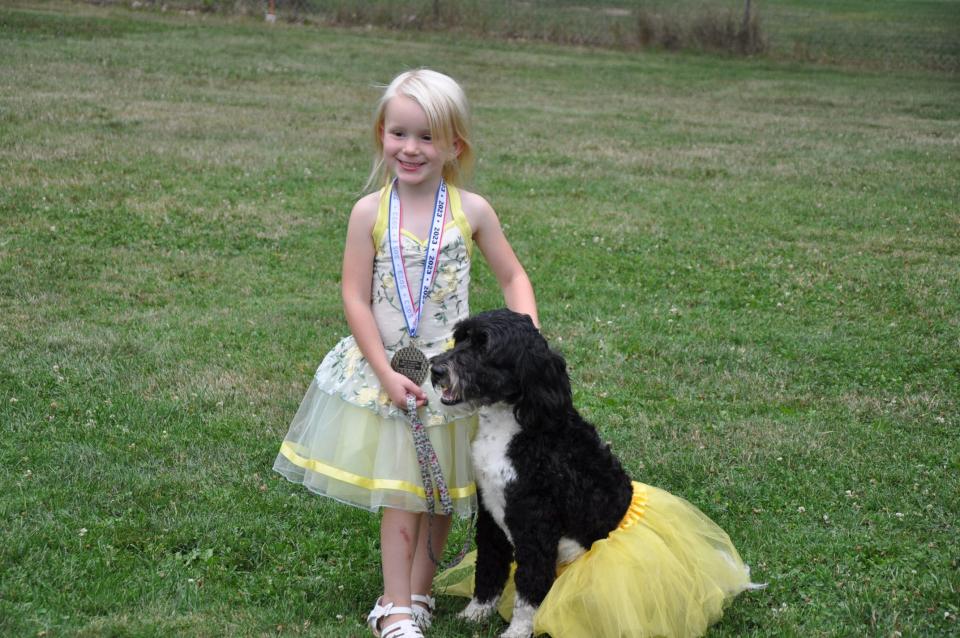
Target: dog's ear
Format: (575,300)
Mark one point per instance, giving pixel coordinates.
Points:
(545,396)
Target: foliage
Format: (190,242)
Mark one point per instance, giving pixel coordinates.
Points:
(894,34)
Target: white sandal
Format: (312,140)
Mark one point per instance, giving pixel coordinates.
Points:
(423,613)
(399,629)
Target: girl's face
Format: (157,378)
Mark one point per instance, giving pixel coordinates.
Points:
(408,147)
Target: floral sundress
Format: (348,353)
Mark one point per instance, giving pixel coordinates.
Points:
(347,440)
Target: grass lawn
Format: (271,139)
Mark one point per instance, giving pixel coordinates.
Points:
(751,266)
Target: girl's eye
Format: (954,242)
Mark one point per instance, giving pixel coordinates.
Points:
(426,138)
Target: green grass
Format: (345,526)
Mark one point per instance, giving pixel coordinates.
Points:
(751,267)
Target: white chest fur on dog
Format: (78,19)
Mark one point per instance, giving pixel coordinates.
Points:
(495,472)
(491,464)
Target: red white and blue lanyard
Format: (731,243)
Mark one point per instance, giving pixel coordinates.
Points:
(412,312)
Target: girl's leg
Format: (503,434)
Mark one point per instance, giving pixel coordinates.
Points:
(399,531)
(421,578)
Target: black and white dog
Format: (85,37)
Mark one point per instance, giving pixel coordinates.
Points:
(548,486)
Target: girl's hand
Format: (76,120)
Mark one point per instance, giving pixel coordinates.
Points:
(398,387)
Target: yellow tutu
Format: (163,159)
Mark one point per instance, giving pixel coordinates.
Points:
(667,570)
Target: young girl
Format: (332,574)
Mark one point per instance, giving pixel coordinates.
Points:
(406,268)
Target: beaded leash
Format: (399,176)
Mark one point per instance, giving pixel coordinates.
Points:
(432,475)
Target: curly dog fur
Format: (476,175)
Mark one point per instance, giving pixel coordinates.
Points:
(548,486)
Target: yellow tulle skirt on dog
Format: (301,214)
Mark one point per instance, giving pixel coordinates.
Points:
(667,570)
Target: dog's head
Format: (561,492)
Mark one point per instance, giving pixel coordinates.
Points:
(500,356)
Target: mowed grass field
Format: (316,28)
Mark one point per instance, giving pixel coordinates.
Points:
(752,267)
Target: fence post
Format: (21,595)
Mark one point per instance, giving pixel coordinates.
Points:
(746,33)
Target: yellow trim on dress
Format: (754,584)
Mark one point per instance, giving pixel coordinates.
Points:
(383,216)
(287,450)
(458,218)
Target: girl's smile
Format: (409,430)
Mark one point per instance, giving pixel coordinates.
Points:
(409,166)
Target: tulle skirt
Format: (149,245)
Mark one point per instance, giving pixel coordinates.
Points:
(667,570)
(357,456)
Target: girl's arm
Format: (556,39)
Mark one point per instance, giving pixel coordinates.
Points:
(489,237)
(356,285)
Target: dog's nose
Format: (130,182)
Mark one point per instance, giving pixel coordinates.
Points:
(438,370)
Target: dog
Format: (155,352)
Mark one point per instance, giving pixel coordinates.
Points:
(548,486)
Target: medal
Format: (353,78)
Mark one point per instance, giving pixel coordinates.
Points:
(410,361)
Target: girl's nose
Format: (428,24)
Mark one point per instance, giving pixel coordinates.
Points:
(410,146)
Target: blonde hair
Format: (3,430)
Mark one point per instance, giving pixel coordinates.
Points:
(445,105)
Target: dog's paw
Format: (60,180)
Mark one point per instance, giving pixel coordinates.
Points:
(477,611)
(521,625)
(517,632)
